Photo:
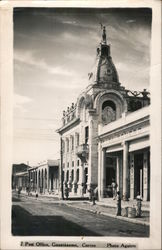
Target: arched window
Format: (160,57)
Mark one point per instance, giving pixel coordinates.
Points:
(109,103)
(108,112)
(63,175)
(77,137)
(72,143)
(72,175)
(77,175)
(67,176)
(67,144)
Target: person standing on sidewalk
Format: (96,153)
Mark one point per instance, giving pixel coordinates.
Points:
(19,191)
(114,187)
(118,198)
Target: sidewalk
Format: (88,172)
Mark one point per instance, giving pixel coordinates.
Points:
(109,211)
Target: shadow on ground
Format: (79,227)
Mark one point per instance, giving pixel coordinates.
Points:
(25,224)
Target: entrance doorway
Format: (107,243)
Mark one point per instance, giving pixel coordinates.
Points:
(110,175)
(138,166)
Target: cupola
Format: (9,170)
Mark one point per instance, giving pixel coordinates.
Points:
(104,70)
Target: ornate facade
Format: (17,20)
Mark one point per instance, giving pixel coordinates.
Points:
(105,135)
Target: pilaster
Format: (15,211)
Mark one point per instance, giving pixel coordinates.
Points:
(125,170)
(103,172)
(132,173)
(118,173)
(145,176)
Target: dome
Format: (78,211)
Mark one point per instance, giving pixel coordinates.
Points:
(104,70)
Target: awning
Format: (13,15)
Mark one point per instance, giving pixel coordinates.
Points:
(139,144)
(114,148)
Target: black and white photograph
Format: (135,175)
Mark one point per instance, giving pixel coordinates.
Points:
(81,145)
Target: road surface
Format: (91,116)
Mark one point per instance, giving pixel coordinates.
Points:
(49,217)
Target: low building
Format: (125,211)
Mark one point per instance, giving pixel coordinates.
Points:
(105,135)
(20,178)
(45,178)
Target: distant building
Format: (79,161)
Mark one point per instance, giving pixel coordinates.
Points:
(20,178)
(44,178)
(105,135)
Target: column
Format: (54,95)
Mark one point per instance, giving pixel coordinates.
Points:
(81,178)
(103,171)
(132,182)
(91,172)
(118,173)
(75,180)
(99,169)
(125,171)
(37,180)
(145,176)
(47,178)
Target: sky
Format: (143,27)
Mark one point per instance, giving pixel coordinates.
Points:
(54,50)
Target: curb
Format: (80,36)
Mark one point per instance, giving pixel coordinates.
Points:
(135,221)
(113,206)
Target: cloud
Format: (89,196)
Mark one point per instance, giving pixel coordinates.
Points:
(70,22)
(131,21)
(27,58)
(20,101)
(79,56)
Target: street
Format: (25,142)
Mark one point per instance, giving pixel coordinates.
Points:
(50,217)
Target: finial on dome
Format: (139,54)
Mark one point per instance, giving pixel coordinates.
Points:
(103,35)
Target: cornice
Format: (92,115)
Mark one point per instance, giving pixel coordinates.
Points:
(68,126)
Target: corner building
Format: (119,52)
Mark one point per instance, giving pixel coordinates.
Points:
(105,135)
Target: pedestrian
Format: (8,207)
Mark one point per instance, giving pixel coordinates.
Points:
(114,187)
(36,195)
(66,192)
(138,205)
(19,191)
(90,193)
(93,196)
(118,198)
(96,193)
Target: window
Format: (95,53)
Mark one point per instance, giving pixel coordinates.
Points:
(63,175)
(78,163)
(67,175)
(86,175)
(67,145)
(109,103)
(72,164)
(86,134)
(77,175)
(68,165)
(72,143)
(72,175)
(108,112)
(77,139)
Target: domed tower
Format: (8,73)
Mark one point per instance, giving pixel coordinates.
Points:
(104,71)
